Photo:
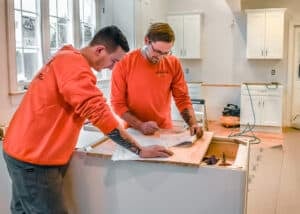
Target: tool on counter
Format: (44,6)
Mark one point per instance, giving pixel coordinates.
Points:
(212,160)
(224,163)
(187,143)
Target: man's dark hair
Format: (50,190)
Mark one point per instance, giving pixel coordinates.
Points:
(160,32)
(111,37)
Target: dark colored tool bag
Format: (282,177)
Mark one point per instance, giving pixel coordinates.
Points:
(231,110)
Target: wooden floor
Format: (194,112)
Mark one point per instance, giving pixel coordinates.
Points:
(274,172)
(267,139)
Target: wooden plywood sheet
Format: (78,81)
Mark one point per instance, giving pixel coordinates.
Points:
(192,154)
(185,155)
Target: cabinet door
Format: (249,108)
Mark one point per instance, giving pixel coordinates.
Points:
(247,115)
(176,22)
(271,111)
(191,36)
(256,34)
(274,34)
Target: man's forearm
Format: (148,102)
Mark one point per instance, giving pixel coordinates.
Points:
(124,141)
(188,116)
(132,120)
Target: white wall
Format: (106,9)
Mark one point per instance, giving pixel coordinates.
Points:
(148,11)
(133,17)
(7,103)
(224,48)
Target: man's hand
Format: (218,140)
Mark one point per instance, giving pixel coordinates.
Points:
(196,130)
(149,127)
(155,151)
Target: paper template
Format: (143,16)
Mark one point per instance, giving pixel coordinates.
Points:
(166,138)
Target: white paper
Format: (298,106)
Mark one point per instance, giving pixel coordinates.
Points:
(166,138)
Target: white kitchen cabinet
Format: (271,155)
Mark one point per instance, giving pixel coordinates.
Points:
(96,184)
(187,30)
(265,33)
(267,105)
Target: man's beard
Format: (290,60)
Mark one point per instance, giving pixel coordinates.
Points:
(145,51)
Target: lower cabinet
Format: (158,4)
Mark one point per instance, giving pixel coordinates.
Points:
(95,184)
(261,105)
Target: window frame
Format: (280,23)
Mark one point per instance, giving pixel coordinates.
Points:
(14,87)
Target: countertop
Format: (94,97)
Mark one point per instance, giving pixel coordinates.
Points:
(96,144)
(183,155)
(261,83)
(88,138)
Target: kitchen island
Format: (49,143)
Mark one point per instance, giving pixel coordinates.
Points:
(96,184)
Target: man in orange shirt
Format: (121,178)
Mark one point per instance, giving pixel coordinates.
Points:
(144,80)
(44,130)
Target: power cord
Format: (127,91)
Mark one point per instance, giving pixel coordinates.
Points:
(248,128)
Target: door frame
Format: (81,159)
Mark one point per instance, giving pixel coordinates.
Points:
(291,68)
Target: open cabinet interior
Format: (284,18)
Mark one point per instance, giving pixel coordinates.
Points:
(225,152)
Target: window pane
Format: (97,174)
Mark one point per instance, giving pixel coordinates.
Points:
(28,64)
(81,8)
(28,40)
(87,33)
(53,30)
(63,9)
(17,4)
(62,31)
(18,29)
(30,27)
(32,62)
(20,65)
(87,20)
(52,8)
(29,5)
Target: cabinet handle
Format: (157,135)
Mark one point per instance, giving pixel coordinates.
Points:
(262,52)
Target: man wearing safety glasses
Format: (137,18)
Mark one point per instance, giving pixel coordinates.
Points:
(144,81)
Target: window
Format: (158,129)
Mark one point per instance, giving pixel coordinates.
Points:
(60,17)
(87,20)
(27,39)
(41,28)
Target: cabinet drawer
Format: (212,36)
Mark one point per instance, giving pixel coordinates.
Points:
(264,90)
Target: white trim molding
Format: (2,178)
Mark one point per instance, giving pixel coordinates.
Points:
(291,67)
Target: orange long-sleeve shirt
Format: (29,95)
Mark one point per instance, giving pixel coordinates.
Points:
(45,128)
(145,89)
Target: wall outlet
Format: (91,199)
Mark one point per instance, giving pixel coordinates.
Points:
(187,71)
(187,74)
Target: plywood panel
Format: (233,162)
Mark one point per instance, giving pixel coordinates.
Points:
(186,155)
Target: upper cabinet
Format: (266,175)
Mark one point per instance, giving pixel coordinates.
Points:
(265,33)
(187,30)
